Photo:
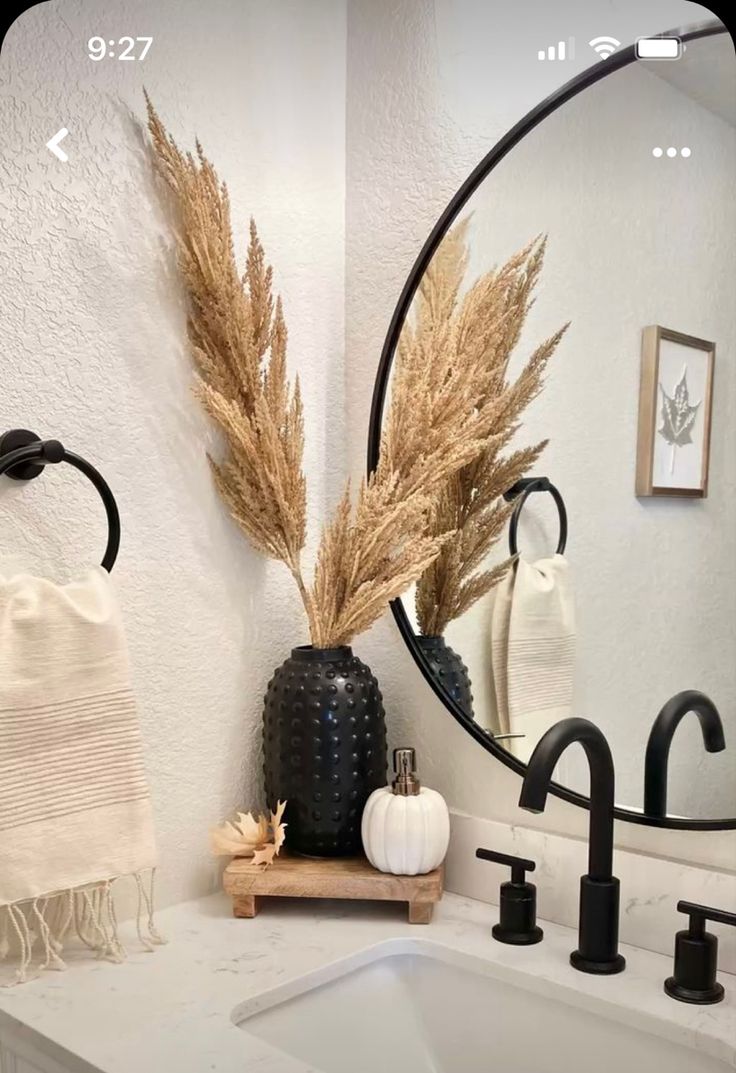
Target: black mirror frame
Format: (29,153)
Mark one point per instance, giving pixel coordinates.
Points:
(532,119)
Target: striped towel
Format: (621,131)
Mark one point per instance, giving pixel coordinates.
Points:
(533,650)
(75,811)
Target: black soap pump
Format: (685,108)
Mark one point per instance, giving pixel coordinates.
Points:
(696,956)
(518,902)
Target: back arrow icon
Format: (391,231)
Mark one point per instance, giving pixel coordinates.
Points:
(53,145)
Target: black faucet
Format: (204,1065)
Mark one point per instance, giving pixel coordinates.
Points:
(660,739)
(597,950)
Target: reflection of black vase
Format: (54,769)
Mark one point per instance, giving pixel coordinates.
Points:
(324,747)
(450,670)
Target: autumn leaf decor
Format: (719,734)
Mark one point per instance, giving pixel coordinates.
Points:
(259,838)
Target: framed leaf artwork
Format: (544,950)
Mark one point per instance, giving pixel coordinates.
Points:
(675,401)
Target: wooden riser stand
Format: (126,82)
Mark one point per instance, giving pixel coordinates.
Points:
(338,877)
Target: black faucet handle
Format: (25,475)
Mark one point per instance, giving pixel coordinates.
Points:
(517,923)
(696,956)
(700,913)
(518,865)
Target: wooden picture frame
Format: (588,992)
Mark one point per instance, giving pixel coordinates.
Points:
(673,443)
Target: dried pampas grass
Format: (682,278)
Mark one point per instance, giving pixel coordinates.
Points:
(374,547)
(469,341)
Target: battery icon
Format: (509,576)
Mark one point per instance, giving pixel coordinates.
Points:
(658,48)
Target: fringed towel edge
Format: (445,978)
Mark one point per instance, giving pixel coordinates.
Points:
(87,912)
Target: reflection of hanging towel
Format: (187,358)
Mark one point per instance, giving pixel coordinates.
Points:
(532,650)
(75,812)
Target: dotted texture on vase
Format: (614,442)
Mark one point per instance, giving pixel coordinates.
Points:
(324,747)
(449,670)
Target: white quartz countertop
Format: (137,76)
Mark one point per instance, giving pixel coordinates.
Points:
(171,1011)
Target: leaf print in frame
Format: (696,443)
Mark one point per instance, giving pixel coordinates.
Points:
(675,405)
(678,417)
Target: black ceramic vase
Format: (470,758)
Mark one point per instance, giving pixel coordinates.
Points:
(450,671)
(324,744)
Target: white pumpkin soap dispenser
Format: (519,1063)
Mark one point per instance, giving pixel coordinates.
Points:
(406,826)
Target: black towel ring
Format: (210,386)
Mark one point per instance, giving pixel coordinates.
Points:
(521,491)
(24,455)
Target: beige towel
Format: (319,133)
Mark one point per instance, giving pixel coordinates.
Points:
(75,811)
(533,650)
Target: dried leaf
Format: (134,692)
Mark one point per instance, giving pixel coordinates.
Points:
(229,841)
(277,827)
(253,831)
(260,838)
(265,856)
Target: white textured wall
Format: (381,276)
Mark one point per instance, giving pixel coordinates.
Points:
(94,351)
(431,87)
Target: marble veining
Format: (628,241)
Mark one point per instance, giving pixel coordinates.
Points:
(176,1009)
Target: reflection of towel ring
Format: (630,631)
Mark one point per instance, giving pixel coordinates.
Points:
(524,488)
(23,456)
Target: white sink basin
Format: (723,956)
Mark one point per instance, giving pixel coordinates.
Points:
(417,1007)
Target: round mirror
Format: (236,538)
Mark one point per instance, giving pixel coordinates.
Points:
(591,566)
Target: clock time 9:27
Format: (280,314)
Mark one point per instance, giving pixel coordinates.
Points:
(125,48)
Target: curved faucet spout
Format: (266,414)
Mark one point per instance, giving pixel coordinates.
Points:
(597,950)
(539,775)
(660,738)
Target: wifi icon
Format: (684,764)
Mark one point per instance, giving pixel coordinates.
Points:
(604,46)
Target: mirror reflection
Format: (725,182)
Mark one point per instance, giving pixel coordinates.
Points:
(592,570)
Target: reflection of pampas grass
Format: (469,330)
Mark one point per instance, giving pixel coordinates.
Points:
(373,548)
(465,342)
